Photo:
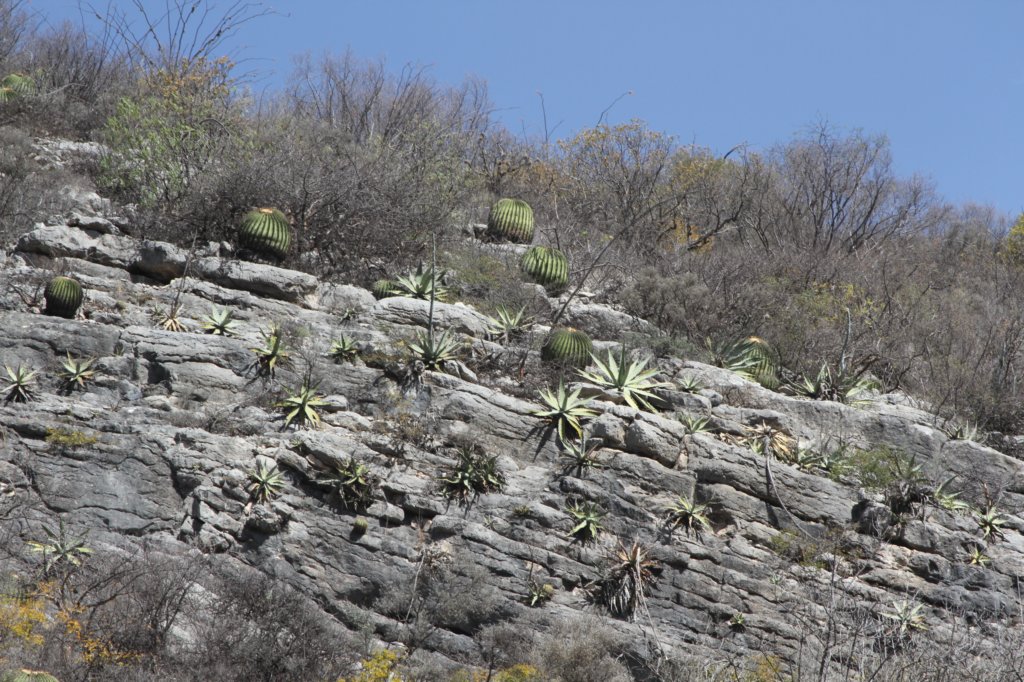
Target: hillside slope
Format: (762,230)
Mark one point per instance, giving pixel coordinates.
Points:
(801,569)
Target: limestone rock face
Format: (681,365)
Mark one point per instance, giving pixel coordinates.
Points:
(161,446)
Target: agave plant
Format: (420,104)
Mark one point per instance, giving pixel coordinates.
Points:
(353,482)
(581,456)
(950,501)
(848,389)
(991,522)
(690,384)
(343,349)
(474,473)
(630,380)
(170,319)
(59,550)
(964,431)
(565,410)
(75,372)
(690,516)
(539,593)
(21,384)
(219,322)
(422,285)
(507,325)
(907,617)
(695,423)
(628,577)
(976,556)
(586,519)
(265,483)
(435,350)
(300,407)
(272,353)
(765,440)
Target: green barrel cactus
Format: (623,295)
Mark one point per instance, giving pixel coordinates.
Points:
(569,346)
(63,297)
(18,83)
(546,266)
(384,288)
(511,220)
(25,675)
(266,233)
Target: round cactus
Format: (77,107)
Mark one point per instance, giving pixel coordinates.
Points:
(384,288)
(511,220)
(266,232)
(25,675)
(567,345)
(63,297)
(546,266)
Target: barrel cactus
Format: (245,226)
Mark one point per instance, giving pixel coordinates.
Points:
(25,675)
(546,266)
(63,297)
(511,220)
(568,346)
(19,83)
(266,233)
(384,288)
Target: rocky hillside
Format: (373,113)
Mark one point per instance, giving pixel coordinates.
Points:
(826,547)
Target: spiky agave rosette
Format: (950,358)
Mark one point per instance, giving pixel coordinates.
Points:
(511,220)
(546,266)
(266,233)
(63,297)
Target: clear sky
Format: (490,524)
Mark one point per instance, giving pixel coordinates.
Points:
(943,79)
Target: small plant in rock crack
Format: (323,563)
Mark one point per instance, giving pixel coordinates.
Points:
(75,373)
(272,354)
(586,520)
(343,349)
(300,406)
(219,322)
(695,423)
(991,522)
(807,459)
(20,386)
(690,516)
(353,483)
(849,389)
(59,550)
(628,578)
(976,556)
(265,483)
(690,384)
(738,622)
(955,430)
(474,473)
(631,380)
(565,410)
(435,350)
(507,325)
(580,457)
(539,593)
(906,616)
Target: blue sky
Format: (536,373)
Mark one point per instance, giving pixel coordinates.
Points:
(943,79)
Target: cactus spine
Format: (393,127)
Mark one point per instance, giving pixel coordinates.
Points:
(511,220)
(63,297)
(546,266)
(266,232)
(569,346)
